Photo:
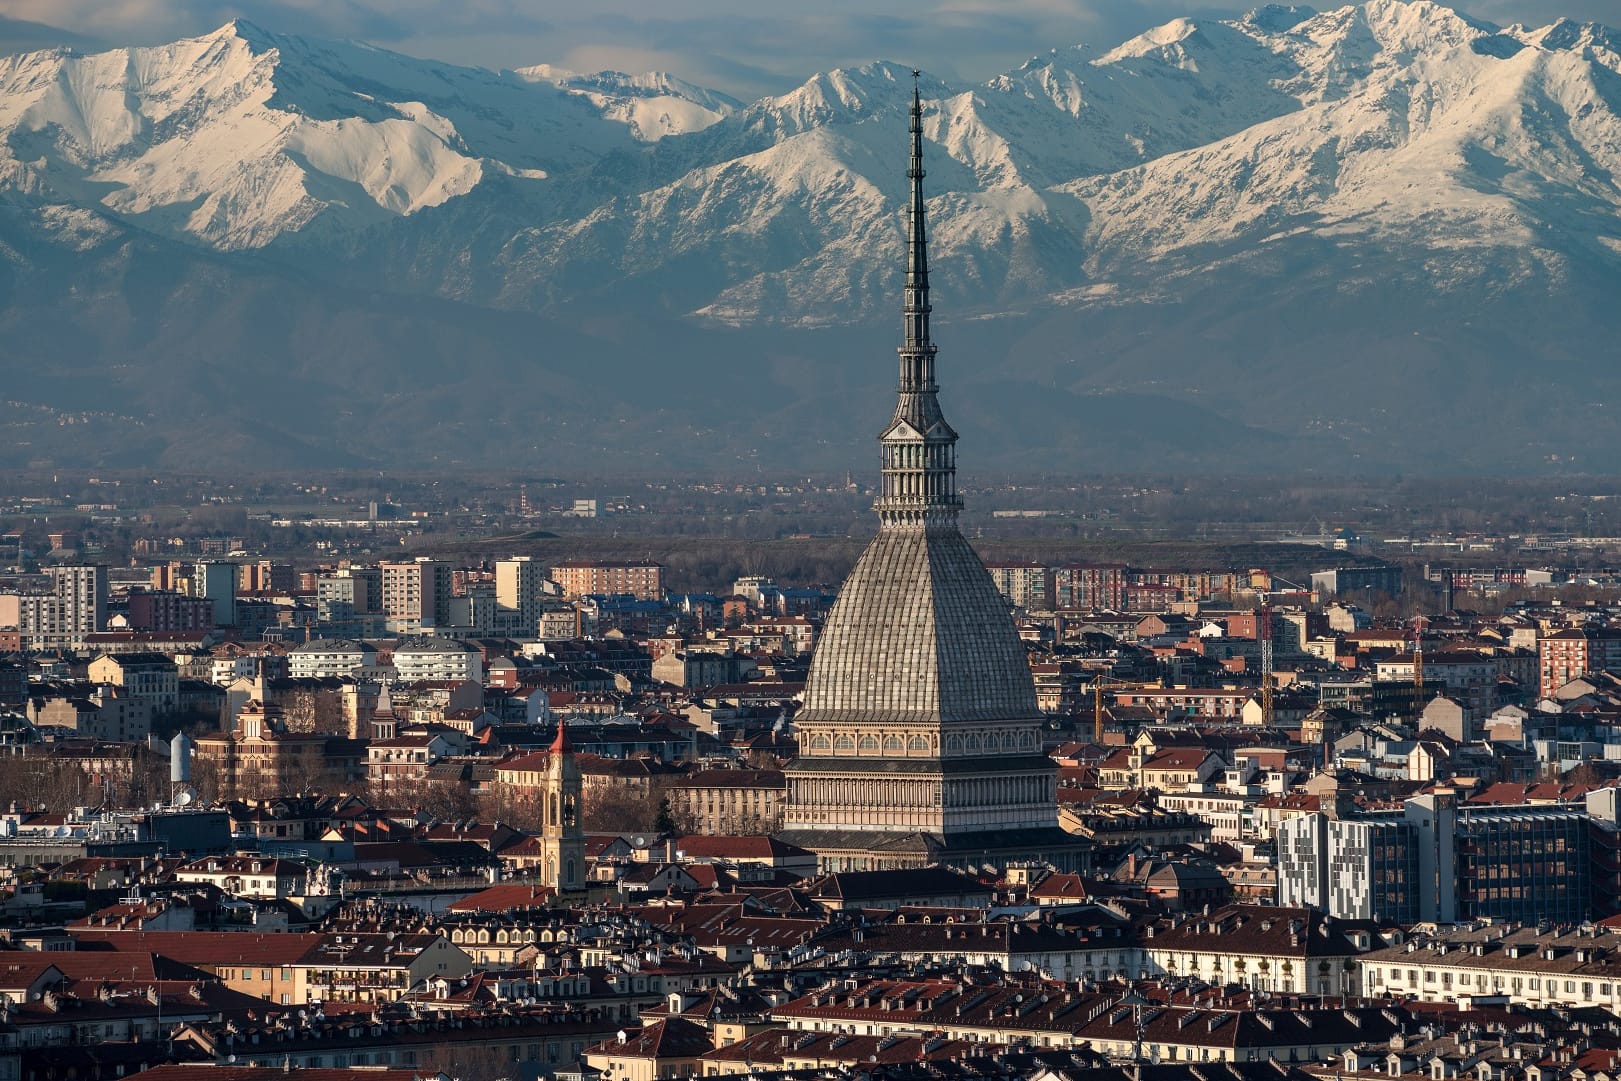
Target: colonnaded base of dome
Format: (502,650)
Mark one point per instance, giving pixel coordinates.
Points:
(877,850)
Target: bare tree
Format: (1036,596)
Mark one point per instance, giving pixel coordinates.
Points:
(503,803)
(309,771)
(37,781)
(210,781)
(447,800)
(615,809)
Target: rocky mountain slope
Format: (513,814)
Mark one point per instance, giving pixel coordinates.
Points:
(1379,237)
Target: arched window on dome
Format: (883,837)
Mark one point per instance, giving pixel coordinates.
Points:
(868,743)
(917,743)
(820,743)
(893,743)
(843,743)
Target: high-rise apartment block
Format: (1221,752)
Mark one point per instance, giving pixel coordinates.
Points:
(1023,584)
(165,610)
(75,607)
(348,592)
(416,594)
(1357,581)
(265,576)
(1570,654)
(216,579)
(82,594)
(1071,585)
(1088,585)
(518,589)
(642,579)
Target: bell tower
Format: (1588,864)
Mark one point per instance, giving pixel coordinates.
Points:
(562,838)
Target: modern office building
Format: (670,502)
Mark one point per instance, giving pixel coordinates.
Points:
(1436,860)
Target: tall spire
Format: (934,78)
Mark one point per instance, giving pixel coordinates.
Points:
(918,454)
(917,248)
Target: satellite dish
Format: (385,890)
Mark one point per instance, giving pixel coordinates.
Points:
(184,797)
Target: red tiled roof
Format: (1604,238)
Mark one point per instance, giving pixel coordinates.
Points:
(205,947)
(698,846)
(504,897)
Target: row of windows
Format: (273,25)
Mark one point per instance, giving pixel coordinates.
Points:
(1480,980)
(247,974)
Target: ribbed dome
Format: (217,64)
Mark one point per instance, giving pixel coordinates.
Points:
(919,633)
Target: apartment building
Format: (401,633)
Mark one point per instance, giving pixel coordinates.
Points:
(642,579)
(416,594)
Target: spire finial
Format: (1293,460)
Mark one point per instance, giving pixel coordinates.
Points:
(917,248)
(918,449)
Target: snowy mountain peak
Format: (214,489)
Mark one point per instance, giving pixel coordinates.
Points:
(653,105)
(1158,41)
(1277,18)
(1567,35)
(838,96)
(1406,28)
(247,31)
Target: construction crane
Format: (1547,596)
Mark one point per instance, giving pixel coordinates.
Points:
(1264,632)
(1419,623)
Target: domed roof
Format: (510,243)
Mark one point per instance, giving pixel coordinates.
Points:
(919,633)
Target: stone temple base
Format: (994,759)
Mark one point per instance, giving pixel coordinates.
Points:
(875,850)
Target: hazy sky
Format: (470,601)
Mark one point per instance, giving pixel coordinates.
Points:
(747,47)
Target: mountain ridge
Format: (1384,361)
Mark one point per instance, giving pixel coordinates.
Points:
(1389,171)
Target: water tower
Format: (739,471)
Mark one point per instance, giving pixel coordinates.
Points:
(180,750)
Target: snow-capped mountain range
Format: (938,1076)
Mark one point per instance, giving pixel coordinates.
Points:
(1290,233)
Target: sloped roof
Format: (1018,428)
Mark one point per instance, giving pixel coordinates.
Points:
(674,1037)
(504,898)
(699,846)
(919,633)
